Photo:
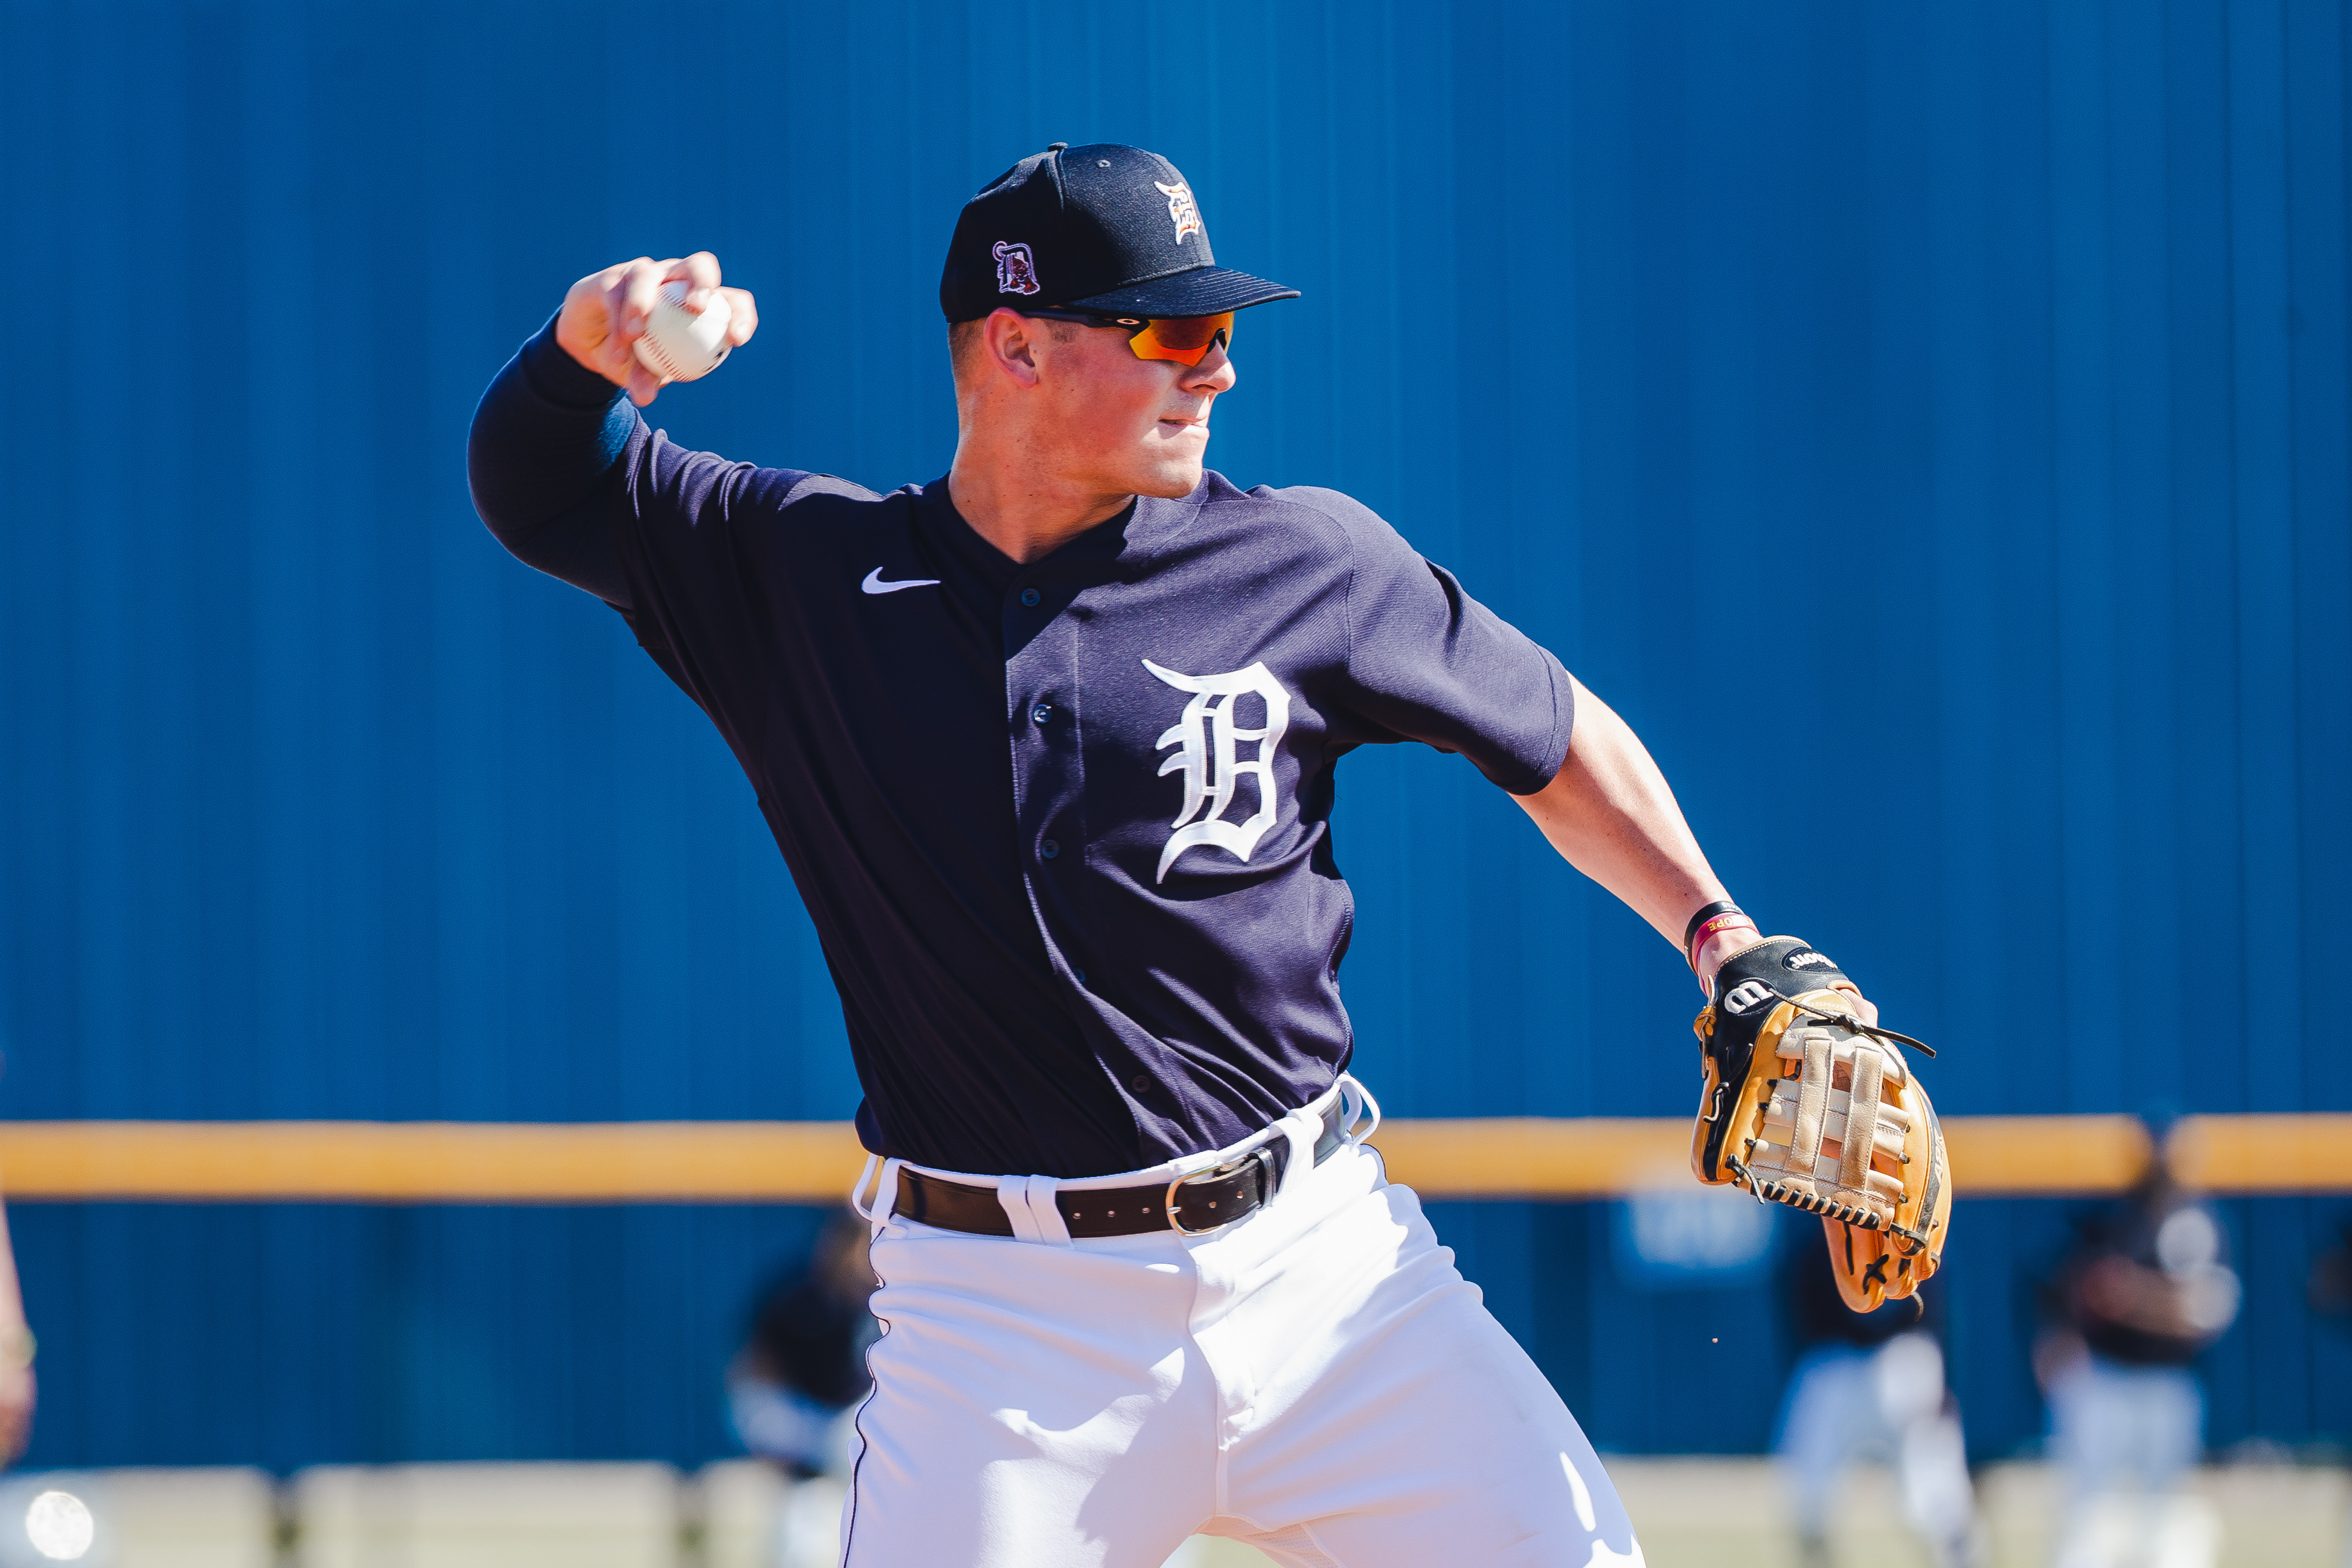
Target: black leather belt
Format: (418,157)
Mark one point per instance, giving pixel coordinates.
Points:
(1202,1202)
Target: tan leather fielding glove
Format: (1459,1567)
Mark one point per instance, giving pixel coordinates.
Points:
(1803,1103)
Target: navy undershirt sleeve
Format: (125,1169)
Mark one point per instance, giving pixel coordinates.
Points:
(544,465)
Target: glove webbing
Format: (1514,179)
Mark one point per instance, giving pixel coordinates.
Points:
(1861,1134)
(1810,1118)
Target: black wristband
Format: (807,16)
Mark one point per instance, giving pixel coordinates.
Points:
(1706,912)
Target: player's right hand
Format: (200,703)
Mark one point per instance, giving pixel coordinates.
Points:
(605,312)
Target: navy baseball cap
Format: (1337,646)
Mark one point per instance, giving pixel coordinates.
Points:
(1106,228)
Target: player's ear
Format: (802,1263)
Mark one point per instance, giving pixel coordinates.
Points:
(1010,341)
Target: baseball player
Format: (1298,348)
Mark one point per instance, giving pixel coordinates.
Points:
(1050,747)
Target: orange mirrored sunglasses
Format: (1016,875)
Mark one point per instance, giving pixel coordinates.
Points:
(1185,339)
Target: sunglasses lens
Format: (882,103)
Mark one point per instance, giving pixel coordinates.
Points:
(1186,339)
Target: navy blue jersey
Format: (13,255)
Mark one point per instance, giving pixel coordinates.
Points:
(1065,828)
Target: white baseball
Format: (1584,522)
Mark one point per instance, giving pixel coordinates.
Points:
(679,346)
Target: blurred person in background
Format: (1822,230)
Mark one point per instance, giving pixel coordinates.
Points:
(1870,1386)
(793,1388)
(2329,1286)
(2330,1292)
(2145,1289)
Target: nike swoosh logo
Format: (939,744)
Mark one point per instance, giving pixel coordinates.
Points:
(874,583)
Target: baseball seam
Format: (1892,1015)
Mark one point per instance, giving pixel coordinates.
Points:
(667,367)
(663,364)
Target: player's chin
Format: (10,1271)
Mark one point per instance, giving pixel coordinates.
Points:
(1169,481)
(1173,468)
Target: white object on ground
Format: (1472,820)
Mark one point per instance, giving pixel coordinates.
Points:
(679,345)
(59,1526)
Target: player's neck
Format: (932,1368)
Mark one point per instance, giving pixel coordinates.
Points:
(1025,513)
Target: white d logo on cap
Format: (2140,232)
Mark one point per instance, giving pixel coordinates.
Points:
(1180,209)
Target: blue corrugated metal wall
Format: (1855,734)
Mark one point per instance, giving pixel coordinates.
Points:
(1966,383)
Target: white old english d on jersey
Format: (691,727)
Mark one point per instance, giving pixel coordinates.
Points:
(1208,740)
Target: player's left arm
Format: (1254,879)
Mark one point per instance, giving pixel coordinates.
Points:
(1804,1099)
(1611,815)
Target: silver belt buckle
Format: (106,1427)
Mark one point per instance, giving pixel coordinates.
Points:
(1262,1157)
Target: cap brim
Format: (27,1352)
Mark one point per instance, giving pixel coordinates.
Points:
(1201,291)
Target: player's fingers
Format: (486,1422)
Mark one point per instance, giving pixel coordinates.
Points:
(640,292)
(626,307)
(584,326)
(742,315)
(700,272)
(615,280)
(643,384)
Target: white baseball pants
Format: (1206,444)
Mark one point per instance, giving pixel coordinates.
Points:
(1317,1380)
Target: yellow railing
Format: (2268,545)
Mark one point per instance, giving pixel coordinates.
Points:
(800,1162)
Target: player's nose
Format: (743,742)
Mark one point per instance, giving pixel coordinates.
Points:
(1213,374)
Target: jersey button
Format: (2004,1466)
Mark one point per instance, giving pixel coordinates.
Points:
(1043,713)
(1029,597)
(1049,848)
(1141,1083)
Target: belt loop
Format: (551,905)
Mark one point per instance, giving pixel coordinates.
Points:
(1012,1193)
(1304,1129)
(1045,1213)
(858,1189)
(886,1193)
(1352,1110)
